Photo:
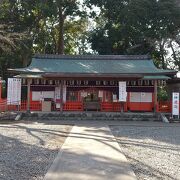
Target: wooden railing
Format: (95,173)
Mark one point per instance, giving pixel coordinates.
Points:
(164,106)
(34,106)
(73,106)
(112,107)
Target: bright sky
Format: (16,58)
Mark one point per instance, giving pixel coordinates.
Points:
(178,74)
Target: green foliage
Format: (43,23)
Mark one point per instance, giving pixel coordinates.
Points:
(162,94)
(29,27)
(56,26)
(136,27)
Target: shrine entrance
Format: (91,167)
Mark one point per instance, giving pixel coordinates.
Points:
(91,99)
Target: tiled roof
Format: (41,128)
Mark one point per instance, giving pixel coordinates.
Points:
(97,65)
(92,57)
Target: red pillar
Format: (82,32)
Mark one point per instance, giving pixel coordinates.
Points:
(61,95)
(0,91)
(28,94)
(155,96)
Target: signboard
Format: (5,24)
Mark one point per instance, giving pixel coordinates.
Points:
(14,91)
(64,93)
(122,91)
(175,104)
(57,95)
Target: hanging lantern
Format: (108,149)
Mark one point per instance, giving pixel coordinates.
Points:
(24,81)
(146,82)
(71,82)
(140,83)
(152,82)
(133,83)
(159,82)
(86,82)
(105,83)
(50,82)
(78,82)
(98,83)
(164,83)
(36,81)
(112,83)
(57,82)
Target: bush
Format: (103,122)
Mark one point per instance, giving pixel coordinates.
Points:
(162,94)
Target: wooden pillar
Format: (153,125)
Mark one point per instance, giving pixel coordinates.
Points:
(61,95)
(155,95)
(0,90)
(28,94)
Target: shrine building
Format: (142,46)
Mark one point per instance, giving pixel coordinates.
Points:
(91,83)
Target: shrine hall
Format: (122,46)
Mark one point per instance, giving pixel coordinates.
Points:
(91,83)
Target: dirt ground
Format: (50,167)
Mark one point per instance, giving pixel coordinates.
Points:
(152,149)
(27,149)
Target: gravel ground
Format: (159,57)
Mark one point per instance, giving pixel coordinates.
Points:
(152,149)
(27,149)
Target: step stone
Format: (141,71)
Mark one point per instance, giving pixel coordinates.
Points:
(91,116)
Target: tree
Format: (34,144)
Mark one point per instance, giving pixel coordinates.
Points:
(135,27)
(63,10)
(13,39)
(76,36)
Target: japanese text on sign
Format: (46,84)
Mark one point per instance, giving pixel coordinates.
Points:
(122,91)
(175,104)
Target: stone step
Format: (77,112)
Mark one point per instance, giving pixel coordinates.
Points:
(90,118)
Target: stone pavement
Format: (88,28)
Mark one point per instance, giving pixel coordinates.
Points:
(90,153)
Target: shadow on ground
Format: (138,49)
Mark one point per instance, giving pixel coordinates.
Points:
(20,160)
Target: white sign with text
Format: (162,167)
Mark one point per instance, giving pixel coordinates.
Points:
(14,91)
(175,104)
(122,91)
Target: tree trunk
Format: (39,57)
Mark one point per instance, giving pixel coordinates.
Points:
(25,60)
(176,61)
(161,47)
(61,32)
(173,51)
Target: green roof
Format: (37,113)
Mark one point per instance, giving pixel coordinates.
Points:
(111,64)
(156,77)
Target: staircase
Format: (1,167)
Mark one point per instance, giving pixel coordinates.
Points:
(91,116)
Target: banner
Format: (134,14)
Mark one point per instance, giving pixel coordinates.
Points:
(64,93)
(175,104)
(14,91)
(57,95)
(122,91)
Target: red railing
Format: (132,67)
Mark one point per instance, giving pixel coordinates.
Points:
(164,106)
(73,106)
(34,106)
(112,106)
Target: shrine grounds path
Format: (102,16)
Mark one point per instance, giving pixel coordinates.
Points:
(28,149)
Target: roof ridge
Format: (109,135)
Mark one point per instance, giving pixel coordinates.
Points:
(93,57)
